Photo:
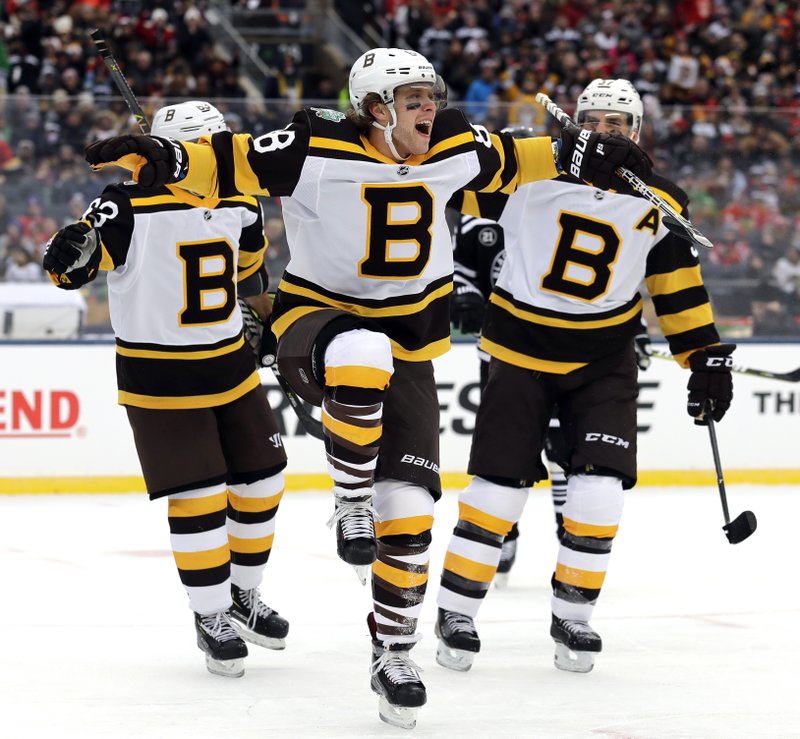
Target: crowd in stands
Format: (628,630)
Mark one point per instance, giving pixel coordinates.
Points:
(719,81)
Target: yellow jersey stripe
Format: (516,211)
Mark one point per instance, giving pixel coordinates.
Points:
(202,175)
(354,376)
(579,578)
(199,354)
(203,560)
(523,360)
(292,315)
(360,310)
(588,529)
(531,317)
(193,401)
(485,520)
(468,568)
(535,157)
(188,507)
(399,578)
(412,526)
(673,282)
(686,320)
(427,352)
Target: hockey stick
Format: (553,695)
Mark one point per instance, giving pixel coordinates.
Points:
(745,523)
(793,376)
(311,425)
(673,220)
(119,80)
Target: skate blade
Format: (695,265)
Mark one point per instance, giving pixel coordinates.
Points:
(571,661)
(260,640)
(454,659)
(501,580)
(225,667)
(405,718)
(362,572)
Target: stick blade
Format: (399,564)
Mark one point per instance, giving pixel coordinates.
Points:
(681,230)
(741,527)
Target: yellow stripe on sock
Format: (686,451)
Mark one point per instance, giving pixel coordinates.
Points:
(576,528)
(399,578)
(203,560)
(412,526)
(579,578)
(186,507)
(468,568)
(250,546)
(484,520)
(354,434)
(254,505)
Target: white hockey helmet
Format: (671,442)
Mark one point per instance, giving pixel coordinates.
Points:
(619,96)
(382,71)
(188,121)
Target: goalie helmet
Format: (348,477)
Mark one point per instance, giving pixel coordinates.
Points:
(188,121)
(619,96)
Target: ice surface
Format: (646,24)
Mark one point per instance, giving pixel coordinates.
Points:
(701,638)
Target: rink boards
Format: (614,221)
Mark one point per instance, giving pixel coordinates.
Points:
(61,429)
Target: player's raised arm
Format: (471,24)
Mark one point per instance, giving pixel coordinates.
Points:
(221,165)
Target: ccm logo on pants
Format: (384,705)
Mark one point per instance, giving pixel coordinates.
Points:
(607,439)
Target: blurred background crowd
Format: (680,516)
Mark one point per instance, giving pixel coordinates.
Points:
(719,81)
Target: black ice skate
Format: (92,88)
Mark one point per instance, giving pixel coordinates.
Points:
(508,555)
(255,621)
(224,648)
(458,640)
(576,644)
(395,678)
(355,532)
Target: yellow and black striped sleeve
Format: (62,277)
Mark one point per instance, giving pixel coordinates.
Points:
(227,164)
(675,284)
(252,243)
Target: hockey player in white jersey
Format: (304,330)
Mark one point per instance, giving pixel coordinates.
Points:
(364,303)
(205,435)
(560,328)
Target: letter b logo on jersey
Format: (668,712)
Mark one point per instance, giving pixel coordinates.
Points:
(209,282)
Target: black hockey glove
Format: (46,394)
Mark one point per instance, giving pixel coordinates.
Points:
(166,159)
(467,308)
(72,256)
(710,384)
(259,335)
(594,157)
(641,342)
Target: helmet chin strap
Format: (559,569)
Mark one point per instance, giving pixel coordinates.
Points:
(387,132)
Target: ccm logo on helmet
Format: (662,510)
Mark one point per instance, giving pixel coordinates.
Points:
(578,152)
(607,439)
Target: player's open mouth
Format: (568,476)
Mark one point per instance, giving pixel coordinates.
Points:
(424,128)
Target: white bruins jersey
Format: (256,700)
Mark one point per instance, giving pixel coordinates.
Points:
(174,260)
(367,235)
(568,291)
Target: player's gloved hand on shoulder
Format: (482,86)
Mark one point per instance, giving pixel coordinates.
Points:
(259,335)
(641,343)
(594,157)
(467,308)
(710,384)
(72,255)
(165,159)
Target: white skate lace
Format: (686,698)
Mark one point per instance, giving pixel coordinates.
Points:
(251,599)
(576,627)
(218,626)
(398,667)
(356,518)
(458,622)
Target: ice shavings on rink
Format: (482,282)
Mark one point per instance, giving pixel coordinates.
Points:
(700,637)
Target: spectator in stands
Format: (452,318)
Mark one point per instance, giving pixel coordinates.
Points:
(481,91)
(786,274)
